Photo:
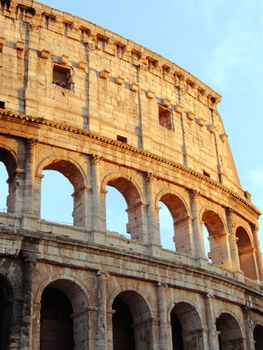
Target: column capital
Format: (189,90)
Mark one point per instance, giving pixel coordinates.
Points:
(254,227)
(194,193)
(149,176)
(95,159)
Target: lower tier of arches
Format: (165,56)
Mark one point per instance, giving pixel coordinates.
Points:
(51,306)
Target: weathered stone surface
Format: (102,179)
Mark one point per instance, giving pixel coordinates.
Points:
(103,110)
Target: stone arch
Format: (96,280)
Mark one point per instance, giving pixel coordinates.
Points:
(229,332)
(218,239)
(70,298)
(131,322)
(246,253)
(186,327)
(76,176)
(180,214)
(258,336)
(134,199)
(10,161)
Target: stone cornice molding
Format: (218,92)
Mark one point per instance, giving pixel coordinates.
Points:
(13,116)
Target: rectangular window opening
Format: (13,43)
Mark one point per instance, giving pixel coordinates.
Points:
(62,77)
(165,118)
(122,139)
(2,104)
(205,173)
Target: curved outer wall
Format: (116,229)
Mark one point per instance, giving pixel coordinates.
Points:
(103,110)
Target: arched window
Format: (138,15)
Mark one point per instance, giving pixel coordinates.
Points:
(246,253)
(8,185)
(56,198)
(72,184)
(206,243)
(64,323)
(219,253)
(258,337)
(123,332)
(131,322)
(5,313)
(229,333)
(177,218)
(116,212)
(166,227)
(134,206)
(186,327)
(4,187)
(56,321)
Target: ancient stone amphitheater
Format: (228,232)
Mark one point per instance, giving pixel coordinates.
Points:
(104,111)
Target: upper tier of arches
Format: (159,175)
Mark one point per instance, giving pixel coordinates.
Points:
(232,241)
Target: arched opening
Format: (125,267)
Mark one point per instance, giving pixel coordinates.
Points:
(134,208)
(186,328)
(206,243)
(4,187)
(180,222)
(56,199)
(131,322)
(5,313)
(166,227)
(116,212)
(7,181)
(219,252)
(56,321)
(229,333)
(246,253)
(258,337)
(60,190)
(63,324)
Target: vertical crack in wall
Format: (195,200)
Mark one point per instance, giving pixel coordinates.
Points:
(24,27)
(139,126)
(85,109)
(219,169)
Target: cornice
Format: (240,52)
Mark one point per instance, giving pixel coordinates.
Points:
(13,116)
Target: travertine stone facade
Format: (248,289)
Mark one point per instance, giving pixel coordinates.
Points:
(104,111)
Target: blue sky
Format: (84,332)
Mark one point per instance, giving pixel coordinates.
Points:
(219,41)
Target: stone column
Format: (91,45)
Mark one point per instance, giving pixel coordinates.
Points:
(82,207)
(257,252)
(153,237)
(165,342)
(98,198)
(198,237)
(110,314)
(31,196)
(15,200)
(101,341)
(248,327)
(26,329)
(235,264)
(211,323)
(36,325)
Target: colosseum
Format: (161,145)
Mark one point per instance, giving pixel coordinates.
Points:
(104,111)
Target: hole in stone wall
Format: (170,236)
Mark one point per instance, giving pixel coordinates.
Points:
(56,198)
(62,77)
(205,173)
(166,227)
(165,118)
(2,104)
(116,215)
(122,139)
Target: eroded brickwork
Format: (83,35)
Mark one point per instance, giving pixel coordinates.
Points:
(104,111)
